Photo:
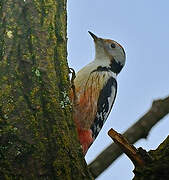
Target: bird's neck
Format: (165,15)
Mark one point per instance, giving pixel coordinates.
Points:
(102,61)
(110,64)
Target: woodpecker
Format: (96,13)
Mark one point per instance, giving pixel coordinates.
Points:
(95,89)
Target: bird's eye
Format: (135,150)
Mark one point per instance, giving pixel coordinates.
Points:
(113,45)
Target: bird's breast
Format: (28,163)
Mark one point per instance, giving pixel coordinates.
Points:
(88,92)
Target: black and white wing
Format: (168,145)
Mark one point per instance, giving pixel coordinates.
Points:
(104,105)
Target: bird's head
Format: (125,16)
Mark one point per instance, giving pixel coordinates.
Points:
(109,52)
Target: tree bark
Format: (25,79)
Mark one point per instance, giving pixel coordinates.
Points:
(38,139)
(157,169)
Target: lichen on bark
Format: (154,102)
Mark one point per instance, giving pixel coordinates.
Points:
(38,139)
(158,168)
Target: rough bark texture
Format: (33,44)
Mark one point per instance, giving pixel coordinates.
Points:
(141,129)
(158,168)
(37,135)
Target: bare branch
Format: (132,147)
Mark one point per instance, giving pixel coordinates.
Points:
(127,148)
(159,109)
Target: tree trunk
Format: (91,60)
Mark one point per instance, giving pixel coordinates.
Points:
(38,139)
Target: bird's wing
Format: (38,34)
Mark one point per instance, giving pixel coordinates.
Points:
(104,105)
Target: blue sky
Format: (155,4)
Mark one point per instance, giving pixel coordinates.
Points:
(142,28)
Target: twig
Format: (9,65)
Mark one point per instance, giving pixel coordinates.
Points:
(159,109)
(127,148)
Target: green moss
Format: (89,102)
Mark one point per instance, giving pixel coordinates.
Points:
(157,169)
(38,139)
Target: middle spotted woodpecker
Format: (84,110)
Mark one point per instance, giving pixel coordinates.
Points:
(95,89)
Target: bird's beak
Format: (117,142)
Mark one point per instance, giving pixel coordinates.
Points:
(93,36)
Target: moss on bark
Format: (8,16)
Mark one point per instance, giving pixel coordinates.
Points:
(158,168)
(38,139)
